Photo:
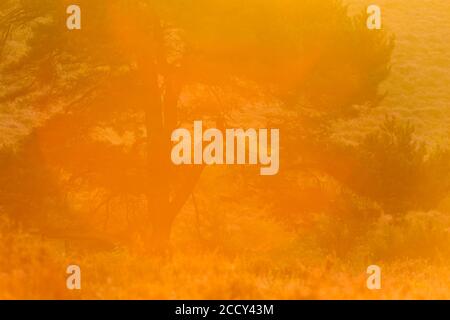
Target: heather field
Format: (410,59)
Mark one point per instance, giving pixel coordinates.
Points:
(371,188)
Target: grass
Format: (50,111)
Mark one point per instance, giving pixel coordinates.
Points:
(292,266)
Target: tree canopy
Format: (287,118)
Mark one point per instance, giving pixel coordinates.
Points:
(113,91)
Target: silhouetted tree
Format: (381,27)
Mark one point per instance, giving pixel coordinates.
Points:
(138,68)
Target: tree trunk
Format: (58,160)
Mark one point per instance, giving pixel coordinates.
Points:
(168,187)
(158,167)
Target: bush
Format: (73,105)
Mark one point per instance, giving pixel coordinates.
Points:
(418,234)
(392,167)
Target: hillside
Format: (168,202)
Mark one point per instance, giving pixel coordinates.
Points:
(418,87)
